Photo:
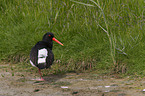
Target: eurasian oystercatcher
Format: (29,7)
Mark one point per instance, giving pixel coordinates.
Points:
(41,55)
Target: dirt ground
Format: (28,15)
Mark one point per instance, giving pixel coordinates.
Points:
(69,84)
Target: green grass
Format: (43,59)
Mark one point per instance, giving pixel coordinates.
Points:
(81,26)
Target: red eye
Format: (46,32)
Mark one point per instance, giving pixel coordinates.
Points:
(49,35)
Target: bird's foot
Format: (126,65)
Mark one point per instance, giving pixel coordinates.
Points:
(41,79)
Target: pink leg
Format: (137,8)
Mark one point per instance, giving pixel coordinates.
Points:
(41,79)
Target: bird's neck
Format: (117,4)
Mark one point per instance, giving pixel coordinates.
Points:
(48,44)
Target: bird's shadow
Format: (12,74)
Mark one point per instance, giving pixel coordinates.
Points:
(51,78)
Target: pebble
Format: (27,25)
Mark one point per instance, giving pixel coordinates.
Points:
(64,87)
(107,86)
(143,90)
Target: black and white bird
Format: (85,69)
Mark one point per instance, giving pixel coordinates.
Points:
(41,55)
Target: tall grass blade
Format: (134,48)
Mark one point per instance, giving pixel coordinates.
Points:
(82,3)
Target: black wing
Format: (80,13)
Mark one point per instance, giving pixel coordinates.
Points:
(50,58)
(34,56)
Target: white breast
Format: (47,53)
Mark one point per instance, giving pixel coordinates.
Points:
(42,54)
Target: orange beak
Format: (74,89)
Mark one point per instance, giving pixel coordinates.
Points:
(57,41)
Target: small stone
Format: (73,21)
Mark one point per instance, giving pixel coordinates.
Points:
(107,91)
(75,92)
(36,90)
(143,90)
(107,86)
(64,87)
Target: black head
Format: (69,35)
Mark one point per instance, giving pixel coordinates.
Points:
(48,37)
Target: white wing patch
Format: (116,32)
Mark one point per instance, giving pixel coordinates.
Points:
(32,63)
(42,54)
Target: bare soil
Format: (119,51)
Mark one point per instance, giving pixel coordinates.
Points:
(70,84)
